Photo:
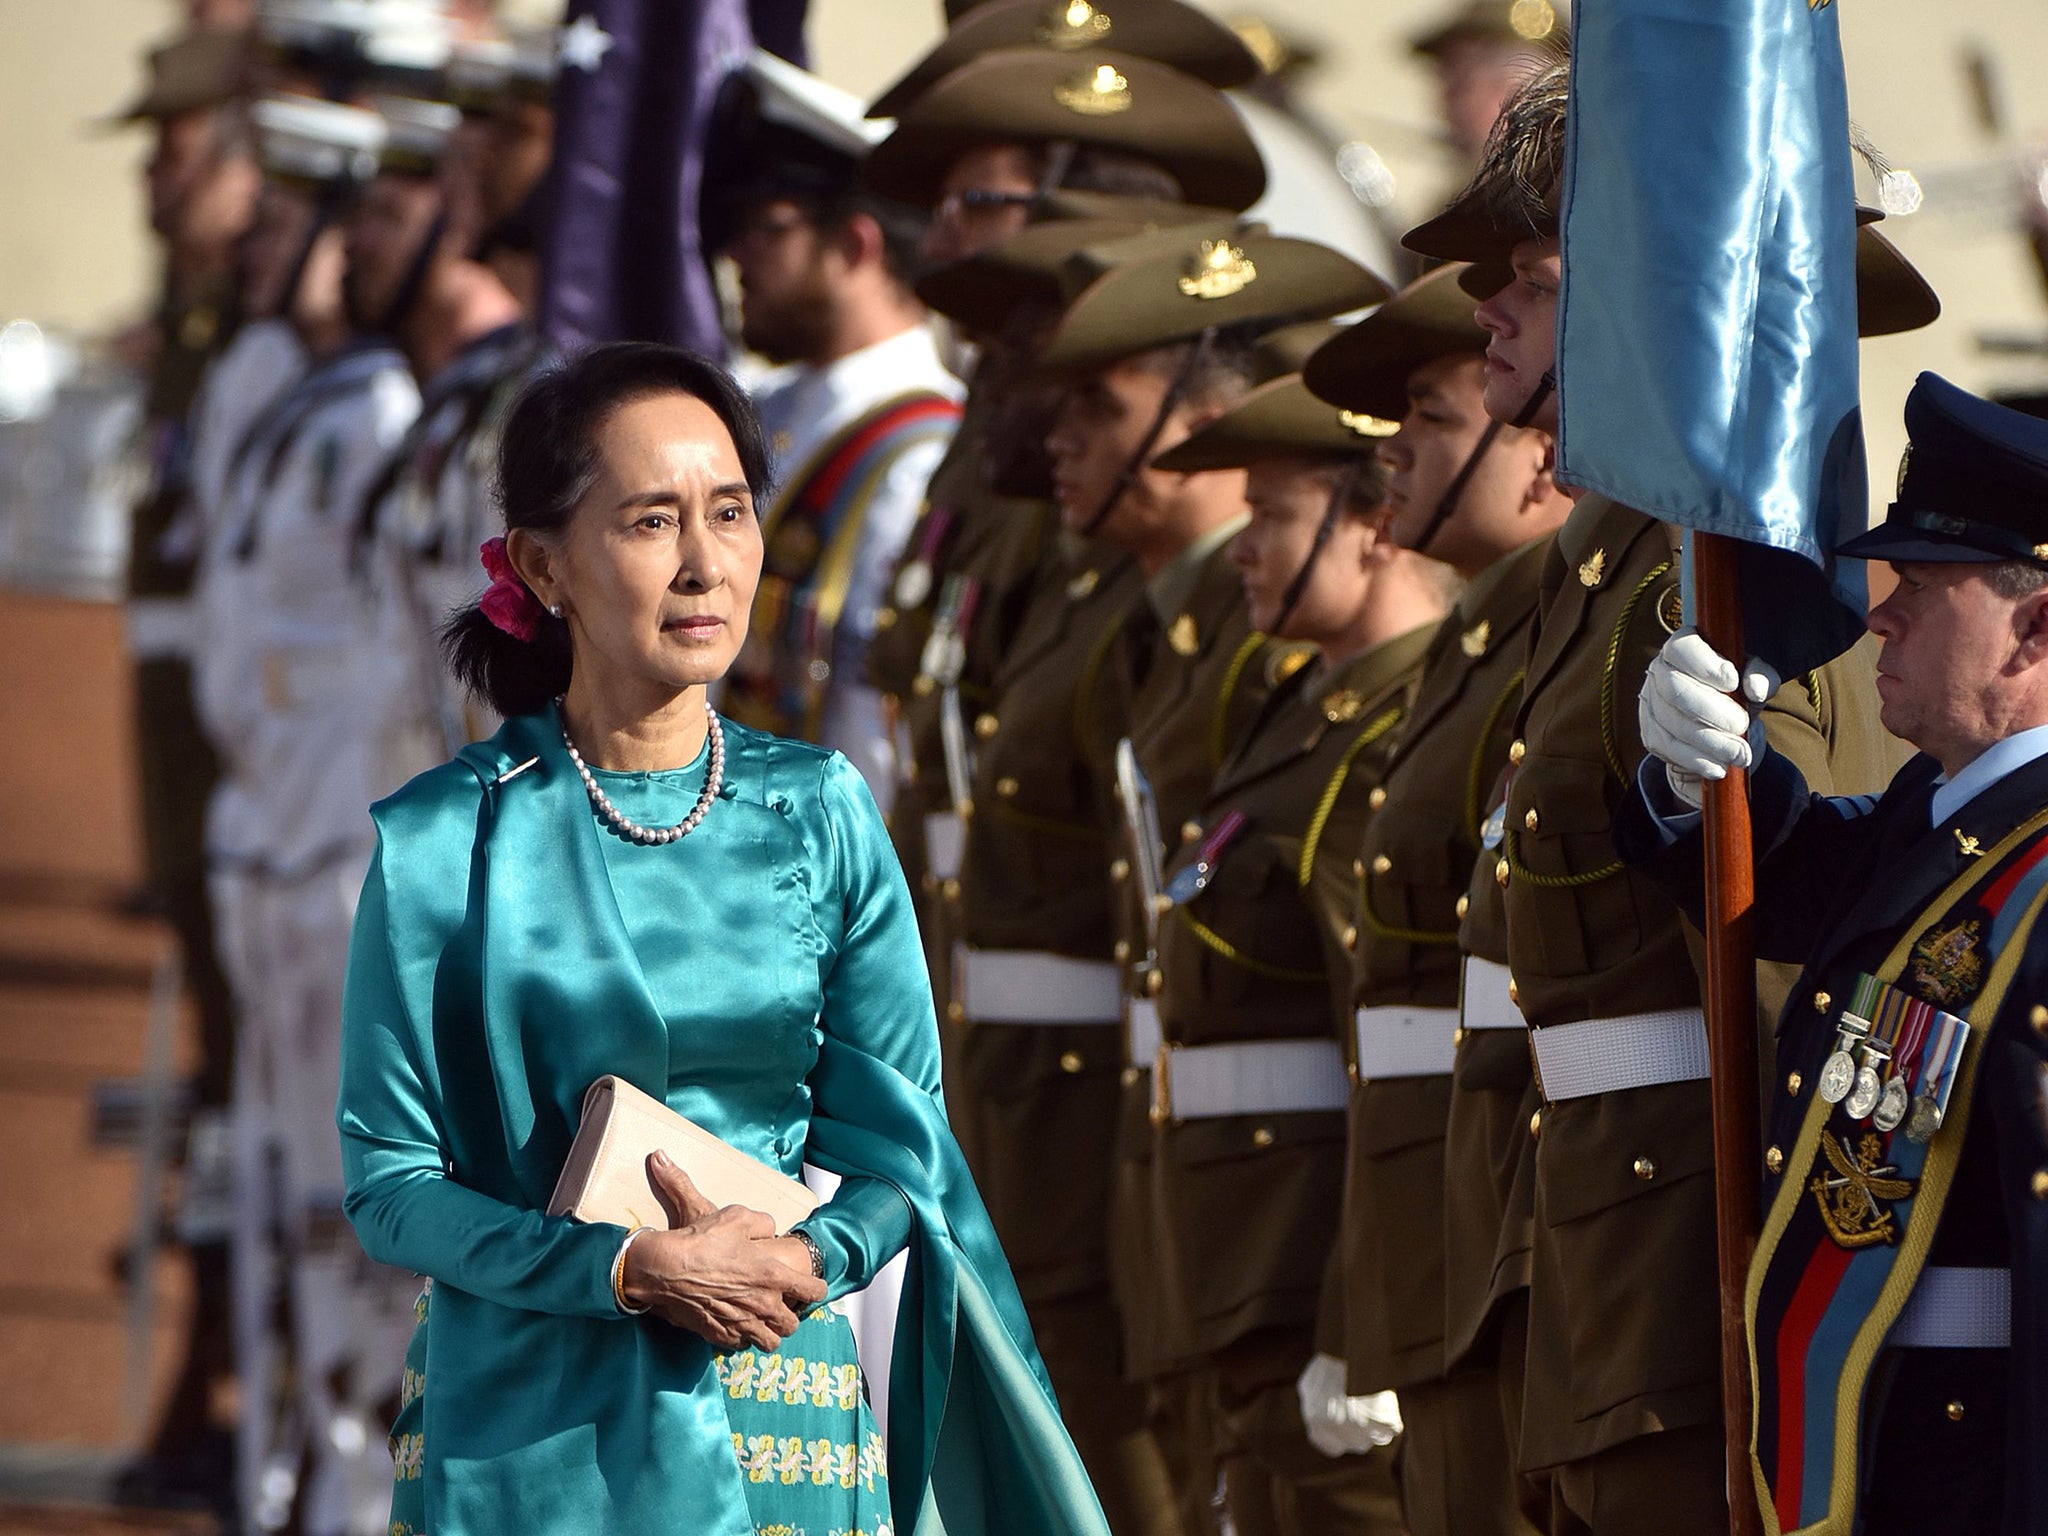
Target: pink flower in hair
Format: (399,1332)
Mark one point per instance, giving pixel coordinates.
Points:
(508,603)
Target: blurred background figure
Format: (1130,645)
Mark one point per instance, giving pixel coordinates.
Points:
(1482,54)
(859,415)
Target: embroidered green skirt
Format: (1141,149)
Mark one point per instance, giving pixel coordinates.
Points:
(811,1459)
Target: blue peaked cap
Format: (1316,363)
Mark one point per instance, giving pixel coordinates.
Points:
(1973,486)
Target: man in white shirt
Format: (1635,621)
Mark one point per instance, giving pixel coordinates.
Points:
(857,420)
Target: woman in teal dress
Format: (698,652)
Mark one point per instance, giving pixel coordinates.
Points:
(617,882)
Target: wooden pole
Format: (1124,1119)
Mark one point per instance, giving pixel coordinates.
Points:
(1731,1033)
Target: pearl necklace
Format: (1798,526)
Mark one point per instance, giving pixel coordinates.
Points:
(632,831)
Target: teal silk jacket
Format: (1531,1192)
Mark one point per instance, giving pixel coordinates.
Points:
(491,981)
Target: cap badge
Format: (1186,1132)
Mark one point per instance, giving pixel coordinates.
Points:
(1183,636)
(1074,24)
(1343,706)
(1102,92)
(1593,568)
(1367,426)
(1475,640)
(1216,271)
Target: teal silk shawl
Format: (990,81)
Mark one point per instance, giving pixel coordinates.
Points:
(491,980)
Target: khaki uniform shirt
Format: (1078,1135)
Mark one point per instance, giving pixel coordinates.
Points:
(1034,1104)
(1421,838)
(1246,1206)
(1624,1318)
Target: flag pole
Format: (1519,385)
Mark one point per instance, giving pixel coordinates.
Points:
(1731,1032)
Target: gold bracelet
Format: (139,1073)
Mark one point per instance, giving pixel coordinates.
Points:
(619,1275)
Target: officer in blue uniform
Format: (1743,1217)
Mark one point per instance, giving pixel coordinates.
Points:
(1898,1301)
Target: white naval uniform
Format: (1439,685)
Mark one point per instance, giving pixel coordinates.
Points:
(284,676)
(802,409)
(436,503)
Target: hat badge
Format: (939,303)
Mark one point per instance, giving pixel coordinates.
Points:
(1102,92)
(1074,24)
(1367,426)
(1216,271)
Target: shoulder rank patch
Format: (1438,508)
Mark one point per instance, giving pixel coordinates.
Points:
(1475,640)
(1286,661)
(1671,610)
(1947,967)
(1216,271)
(1593,569)
(1183,636)
(1102,92)
(1343,705)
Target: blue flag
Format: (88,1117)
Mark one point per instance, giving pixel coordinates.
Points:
(624,259)
(1707,328)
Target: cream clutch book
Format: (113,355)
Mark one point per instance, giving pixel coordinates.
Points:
(605,1178)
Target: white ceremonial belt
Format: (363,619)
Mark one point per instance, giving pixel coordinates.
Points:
(1956,1308)
(1632,1050)
(945,836)
(160,627)
(1019,986)
(1484,999)
(1142,1038)
(1405,1042)
(1251,1077)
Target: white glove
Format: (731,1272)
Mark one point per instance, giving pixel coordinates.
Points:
(1339,1425)
(1699,715)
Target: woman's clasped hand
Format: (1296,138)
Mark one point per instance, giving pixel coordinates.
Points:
(720,1271)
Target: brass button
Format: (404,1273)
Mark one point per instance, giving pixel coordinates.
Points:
(1536,1123)
(985,726)
(1131,1076)
(2040,1184)
(1464,906)
(1381,864)
(2039,1019)
(1774,1159)
(1070,1061)
(950,889)
(1500,873)
(1351,937)
(1007,787)
(1458,1035)
(1358,869)
(1262,1137)
(1157,1115)
(1532,820)
(1517,750)
(1155,983)
(1120,870)
(1122,951)
(1955,1410)
(1793,1084)
(1822,1002)
(957,1012)
(1646,1168)
(1190,830)
(1351,1072)
(924,686)
(1162,904)
(1514,992)
(1378,797)
(885,618)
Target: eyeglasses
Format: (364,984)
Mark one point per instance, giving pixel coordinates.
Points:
(973,202)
